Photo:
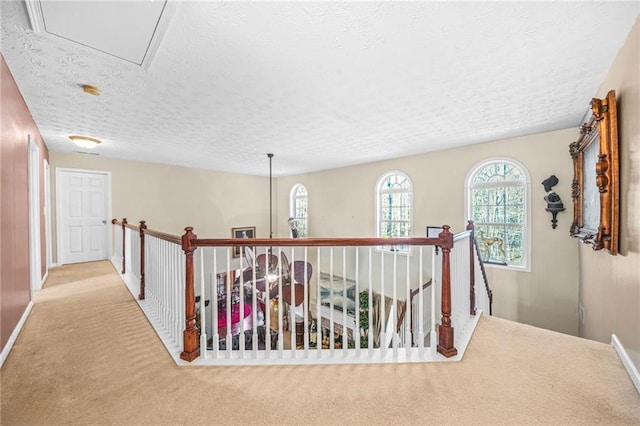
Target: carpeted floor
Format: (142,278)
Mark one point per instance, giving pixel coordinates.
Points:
(88,356)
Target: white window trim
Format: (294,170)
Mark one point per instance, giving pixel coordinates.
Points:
(382,178)
(292,204)
(527,201)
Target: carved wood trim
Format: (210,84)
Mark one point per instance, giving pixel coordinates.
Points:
(191,343)
(472,269)
(445,330)
(124,257)
(143,227)
(601,128)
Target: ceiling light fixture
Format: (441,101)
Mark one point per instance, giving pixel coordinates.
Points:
(85,141)
(92,90)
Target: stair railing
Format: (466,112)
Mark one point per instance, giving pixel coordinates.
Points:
(167,292)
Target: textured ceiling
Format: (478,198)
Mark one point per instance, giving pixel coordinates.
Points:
(321,84)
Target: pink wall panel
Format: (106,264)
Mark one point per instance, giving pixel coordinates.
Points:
(16,124)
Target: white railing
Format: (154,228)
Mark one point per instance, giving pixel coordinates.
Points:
(164,289)
(163,297)
(464,269)
(348,303)
(482,291)
(117,255)
(338,277)
(132,256)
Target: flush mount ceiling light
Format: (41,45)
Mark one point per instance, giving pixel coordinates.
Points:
(92,90)
(85,141)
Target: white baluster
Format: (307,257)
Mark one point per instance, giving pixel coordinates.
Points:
(331,306)
(408,312)
(203,316)
(345,337)
(214,303)
(434,285)
(318,317)
(383,322)
(356,318)
(228,307)
(370,313)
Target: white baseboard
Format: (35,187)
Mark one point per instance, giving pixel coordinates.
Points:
(44,279)
(16,331)
(626,361)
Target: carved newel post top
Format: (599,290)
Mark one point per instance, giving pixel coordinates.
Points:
(446,237)
(470,225)
(114,221)
(124,221)
(187,238)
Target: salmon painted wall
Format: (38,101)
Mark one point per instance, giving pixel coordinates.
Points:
(16,125)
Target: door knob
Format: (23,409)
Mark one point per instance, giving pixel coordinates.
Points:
(104,221)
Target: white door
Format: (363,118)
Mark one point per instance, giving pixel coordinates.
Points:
(83,200)
(35,261)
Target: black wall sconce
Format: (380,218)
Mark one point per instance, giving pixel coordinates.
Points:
(554,203)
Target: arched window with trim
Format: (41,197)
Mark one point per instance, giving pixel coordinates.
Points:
(498,193)
(298,211)
(394,207)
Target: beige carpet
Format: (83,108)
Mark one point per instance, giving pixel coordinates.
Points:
(88,356)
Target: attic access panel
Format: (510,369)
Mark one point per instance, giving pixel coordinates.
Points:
(130,31)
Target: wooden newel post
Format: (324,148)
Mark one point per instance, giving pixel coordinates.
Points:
(445,330)
(472,268)
(190,336)
(143,227)
(124,258)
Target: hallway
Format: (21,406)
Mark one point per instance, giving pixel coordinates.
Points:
(88,356)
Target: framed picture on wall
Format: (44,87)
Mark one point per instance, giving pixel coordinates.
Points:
(433,231)
(242,232)
(595,188)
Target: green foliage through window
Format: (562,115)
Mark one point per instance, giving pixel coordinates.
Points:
(395,204)
(299,209)
(497,201)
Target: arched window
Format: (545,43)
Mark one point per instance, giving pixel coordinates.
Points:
(498,203)
(394,207)
(298,211)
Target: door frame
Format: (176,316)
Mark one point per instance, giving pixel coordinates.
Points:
(107,229)
(47,212)
(35,257)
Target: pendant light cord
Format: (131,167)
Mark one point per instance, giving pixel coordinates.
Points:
(270,198)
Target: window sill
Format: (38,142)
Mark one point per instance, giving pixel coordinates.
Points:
(497,265)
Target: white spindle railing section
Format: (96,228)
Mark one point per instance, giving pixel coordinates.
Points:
(462,319)
(116,247)
(482,292)
(461,275)
(132,256)
(164,265)
(288,324)
(164,290)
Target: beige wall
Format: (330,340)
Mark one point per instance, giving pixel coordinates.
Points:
(170,198)
(610,285)
(342,203)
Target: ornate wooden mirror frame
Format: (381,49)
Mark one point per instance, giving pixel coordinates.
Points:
(595,186)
